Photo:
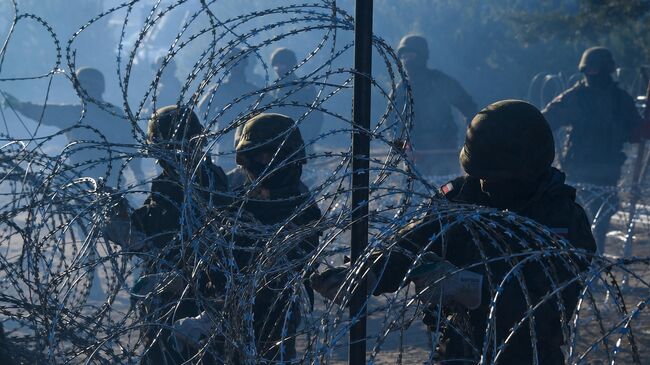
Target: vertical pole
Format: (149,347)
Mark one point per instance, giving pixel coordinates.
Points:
(360,173)
(638,175)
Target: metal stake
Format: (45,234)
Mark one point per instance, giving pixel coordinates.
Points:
(360,173)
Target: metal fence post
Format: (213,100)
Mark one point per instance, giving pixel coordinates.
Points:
(360,173)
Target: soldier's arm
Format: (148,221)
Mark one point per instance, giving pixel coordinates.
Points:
(461,99)
(580,234)
(390,268)
(121,228)
(637,128)
(558,111)
(58,115)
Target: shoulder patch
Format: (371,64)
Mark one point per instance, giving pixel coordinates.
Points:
(447,188)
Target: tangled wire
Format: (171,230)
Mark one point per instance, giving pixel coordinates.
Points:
(72,294)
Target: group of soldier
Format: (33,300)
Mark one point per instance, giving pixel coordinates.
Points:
(507,157)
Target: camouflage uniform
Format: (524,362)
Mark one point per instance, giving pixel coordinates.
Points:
(218,97)
(602,117)
(280,198)
(546,200)
(169,88)
(295,92)
(107,119)
(172,134)
(434,136)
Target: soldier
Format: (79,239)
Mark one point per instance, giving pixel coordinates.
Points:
(271,153)
(169,88)
(602,118)
(507,156)
(93,159)
(434,137)
(226,95)
(158,230)
(283,61)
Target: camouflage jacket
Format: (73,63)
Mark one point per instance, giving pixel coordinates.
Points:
(553,206)
(434,95)
(159,218)
(601,121)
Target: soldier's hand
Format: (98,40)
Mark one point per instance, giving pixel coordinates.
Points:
(401,145)
(439,281)
(190,331)
(329,282)
(165,284)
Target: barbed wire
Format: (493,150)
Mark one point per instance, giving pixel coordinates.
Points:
(71,294)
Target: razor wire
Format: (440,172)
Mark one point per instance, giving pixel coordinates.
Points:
(72,295)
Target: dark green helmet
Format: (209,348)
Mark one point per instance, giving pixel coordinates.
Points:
(509,138)
(597,60)
(414,43)
(91,80)
(283,56)
(270,131)
(173,127)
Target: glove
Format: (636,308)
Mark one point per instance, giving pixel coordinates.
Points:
(439,280)
(165,284)
(329,282)
(190,331)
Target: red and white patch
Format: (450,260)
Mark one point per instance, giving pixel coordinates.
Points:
(447,188)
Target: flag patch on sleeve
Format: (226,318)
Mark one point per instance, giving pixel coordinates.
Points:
(447,188)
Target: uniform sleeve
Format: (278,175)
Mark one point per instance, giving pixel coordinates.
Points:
(62,116)
(557,112)
(391,268)
(461,99)
(580,234)
(633,121)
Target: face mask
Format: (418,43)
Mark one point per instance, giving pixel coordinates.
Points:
(599,80)
(286,176)
(508,193)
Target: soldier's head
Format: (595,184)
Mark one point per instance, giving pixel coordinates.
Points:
(413,52)
(597,60)
(271,142)
(175,129)
(236,60)
(508,146)
(91,81)
(597,64)
(283,60)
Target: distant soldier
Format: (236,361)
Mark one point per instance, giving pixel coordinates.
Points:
(92,156)
(602,117)
(507,156)
(271,154)
(169,88)
(295,91)
(434,137)
(158,231)
(227,103)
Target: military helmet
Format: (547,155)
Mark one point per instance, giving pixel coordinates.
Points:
(509,138)
(173,125)
(414,43)
(270,131)
(236,57)
(91,80)
(283,56)
(597,60)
